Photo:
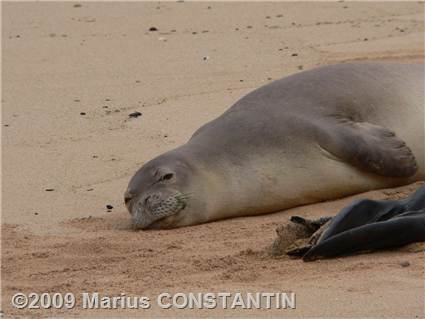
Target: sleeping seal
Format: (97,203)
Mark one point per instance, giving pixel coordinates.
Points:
(313,136)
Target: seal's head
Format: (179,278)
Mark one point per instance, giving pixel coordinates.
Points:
(165,193)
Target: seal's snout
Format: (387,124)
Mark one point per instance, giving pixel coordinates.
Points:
(149,208)
(128,200)
(152,201)
(127,197)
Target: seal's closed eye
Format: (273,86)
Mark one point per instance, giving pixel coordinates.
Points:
(167,177)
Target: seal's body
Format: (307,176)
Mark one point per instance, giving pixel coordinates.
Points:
(312,136)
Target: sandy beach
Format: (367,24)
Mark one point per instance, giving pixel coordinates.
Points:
(71,75)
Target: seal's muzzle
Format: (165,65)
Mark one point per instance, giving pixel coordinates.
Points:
(148,209)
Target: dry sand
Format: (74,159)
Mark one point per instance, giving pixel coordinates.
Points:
(59,60)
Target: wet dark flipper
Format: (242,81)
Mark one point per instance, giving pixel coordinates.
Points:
(298,251)
(311,224)
(394,232)
(359,213)
(416,201)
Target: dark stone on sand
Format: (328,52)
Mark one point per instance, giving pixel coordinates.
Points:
(135,114)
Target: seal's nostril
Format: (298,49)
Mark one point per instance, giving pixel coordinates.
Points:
(127,197)
(146,201)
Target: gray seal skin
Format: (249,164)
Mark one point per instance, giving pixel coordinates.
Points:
(313,136)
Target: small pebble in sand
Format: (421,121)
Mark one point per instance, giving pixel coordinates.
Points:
(76,100)
(95,156)
(300,67)
(268,17)
(109,206)
(153,29)
(269,79)
(135,114)
(49,189)
(404,264)
(294,54)
(279,16)
(107,100)
(105,106)
(82,113)
(240,80)
(194,32)
(6,125)
(77,5)
(365,39)
(137,81)
(89,189)
(35,213)
(249,26)
(205,58)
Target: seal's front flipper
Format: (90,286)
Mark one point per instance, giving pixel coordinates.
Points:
(369,147)
(394,232)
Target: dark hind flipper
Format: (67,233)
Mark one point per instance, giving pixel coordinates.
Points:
(416,201)
(298,251)
(359,213)
(311,225)
(413,213)
(367,146)
(398,231)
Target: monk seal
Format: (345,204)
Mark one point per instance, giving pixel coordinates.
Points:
(312,136)
(364,225)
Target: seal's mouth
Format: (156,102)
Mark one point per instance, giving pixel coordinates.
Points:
(151,216)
